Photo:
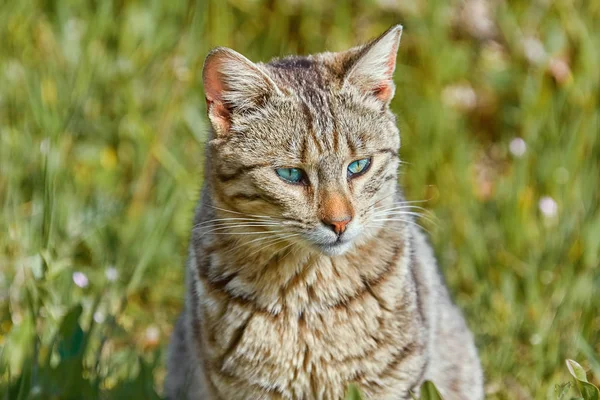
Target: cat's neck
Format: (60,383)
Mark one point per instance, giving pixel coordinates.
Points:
(298,280)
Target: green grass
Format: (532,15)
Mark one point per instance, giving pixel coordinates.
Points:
(102,127)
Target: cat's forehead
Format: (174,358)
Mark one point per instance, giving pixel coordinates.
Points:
(305,129)
(313,111)
(297,71)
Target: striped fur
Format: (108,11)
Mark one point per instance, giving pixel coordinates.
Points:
(277,305)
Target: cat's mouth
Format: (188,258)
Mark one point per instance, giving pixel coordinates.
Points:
(336,248)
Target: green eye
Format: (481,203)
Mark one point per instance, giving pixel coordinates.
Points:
(291,175)
(358,167)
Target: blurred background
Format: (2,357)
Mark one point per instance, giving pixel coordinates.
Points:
(102,129)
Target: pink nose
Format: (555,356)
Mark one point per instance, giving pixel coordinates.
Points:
(337,225)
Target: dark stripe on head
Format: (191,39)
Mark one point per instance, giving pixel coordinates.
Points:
(389,151)
(374,185)
(311,125)
(351,146)
(335,140)
(304,151)
(255,197)
(225,177)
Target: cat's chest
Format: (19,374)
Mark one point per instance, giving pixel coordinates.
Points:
(312,355)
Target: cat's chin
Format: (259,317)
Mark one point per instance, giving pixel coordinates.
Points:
(335,249)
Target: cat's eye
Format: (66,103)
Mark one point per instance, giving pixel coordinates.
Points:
(358,167)
(292,175)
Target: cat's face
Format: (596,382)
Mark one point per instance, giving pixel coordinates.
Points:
(305,149)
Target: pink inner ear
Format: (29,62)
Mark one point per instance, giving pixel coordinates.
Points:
(391,64)
(213,89)
(213,86)
(383,91)
(219,114)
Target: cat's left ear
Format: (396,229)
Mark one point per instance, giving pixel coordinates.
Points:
(373,68)
(233,84)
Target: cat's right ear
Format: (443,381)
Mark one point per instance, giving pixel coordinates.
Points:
(373,65)
(232,84)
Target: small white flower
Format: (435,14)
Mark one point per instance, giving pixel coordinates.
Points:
(17,318)
(534,50)
(517,147)
(111,274)
(80,279)
(45,146)
(460,96)
(35,391)
(14,71)
(546,277)
(535,339)
(180,68)
(99,317)
(152,334)
(476,15)
(548,206)
(124,65)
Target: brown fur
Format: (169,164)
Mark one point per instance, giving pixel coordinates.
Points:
(283,302)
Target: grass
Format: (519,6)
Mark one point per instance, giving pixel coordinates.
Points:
(102,128)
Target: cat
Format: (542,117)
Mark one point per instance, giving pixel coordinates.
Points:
(306,271)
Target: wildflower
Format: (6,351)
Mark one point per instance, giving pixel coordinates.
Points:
(180,69)
(80,279)
(460,96)
(152,333)
(111,274)
(559,69)
(534,50)
(476,18)
(517,147)
(45,146)
(535,339)
(548,206)
(151,337)
(99,317)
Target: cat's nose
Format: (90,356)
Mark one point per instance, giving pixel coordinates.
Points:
(335,212)
(338,225)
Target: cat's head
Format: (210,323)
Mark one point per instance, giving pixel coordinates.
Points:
(304,148)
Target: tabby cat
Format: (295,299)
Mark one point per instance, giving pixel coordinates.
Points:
(306,271)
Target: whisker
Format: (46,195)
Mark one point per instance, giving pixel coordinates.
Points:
(408,221)
(289,251)
(400,212)
(404,204)
(240,213)
(221,228)
(429,218)
(383,198)
(273,242)
(269,237)
(231,220)
(241,233)
(233,223)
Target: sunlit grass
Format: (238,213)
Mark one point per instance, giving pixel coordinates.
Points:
(102,131)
